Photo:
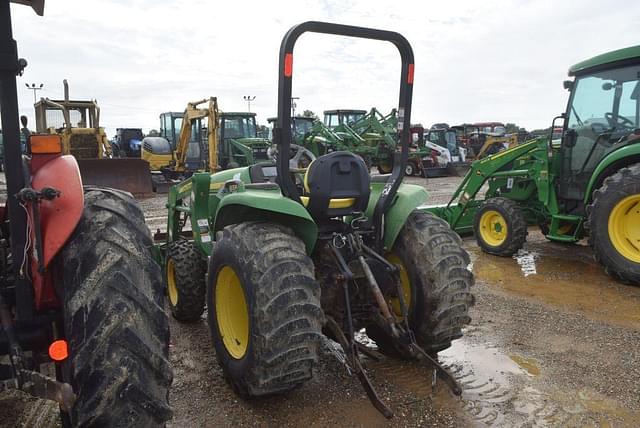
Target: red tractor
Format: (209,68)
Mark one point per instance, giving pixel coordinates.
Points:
(79,289)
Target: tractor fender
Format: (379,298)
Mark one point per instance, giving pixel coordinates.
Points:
(408,198)
(611,163)
(252,205)
(58,217)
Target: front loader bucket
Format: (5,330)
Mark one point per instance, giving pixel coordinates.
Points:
(128,174)
(458,169)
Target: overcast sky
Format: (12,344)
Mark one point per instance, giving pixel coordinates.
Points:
(475,60)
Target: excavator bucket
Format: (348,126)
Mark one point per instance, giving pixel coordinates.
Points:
(128,174)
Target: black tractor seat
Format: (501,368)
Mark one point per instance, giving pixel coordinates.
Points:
(336,184)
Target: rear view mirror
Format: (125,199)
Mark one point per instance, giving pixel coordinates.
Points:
(24,121)
(567,84)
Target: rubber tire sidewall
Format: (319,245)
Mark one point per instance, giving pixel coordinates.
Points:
(187,282)
(604,201)
(225,256)
(410,169)
(435,284)
(514,220)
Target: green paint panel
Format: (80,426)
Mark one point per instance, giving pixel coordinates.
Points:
(249,205)
(630,153)
(408,198)
(606,58)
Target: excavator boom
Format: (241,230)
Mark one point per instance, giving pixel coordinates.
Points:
(191,114)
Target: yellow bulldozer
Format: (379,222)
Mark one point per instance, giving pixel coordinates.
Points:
(78,124)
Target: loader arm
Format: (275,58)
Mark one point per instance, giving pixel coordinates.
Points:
(191,114)
(481,171)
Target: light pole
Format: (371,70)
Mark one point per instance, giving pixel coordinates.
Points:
(34,88)
(248,99)
(293,106)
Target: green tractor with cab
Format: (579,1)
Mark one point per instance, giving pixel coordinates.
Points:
(585,184)
(281,256)
(239,141)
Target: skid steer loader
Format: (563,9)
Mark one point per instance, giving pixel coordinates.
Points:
(294,254)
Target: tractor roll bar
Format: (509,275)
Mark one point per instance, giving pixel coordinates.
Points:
(282,130)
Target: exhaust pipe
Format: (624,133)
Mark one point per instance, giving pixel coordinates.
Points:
(66,90)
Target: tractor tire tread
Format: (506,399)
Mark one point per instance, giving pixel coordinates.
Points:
(190,270)
(618,185)
(516,237)
(433,255)
(286,319)
(114,320)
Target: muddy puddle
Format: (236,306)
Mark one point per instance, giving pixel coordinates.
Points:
(504,389)
(562,275)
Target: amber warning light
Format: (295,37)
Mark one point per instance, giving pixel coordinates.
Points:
(59,350)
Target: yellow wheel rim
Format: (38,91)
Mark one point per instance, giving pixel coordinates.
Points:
(171,283)
(406,286)
(493,228)
(232,313)
(624,228)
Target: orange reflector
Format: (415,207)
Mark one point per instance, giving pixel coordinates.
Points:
(410,75)
(45,144)
(288,65)
(59,350)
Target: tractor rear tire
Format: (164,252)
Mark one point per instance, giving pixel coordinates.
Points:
(185,279)
(500,227)
(613,218)
(114,321)
(264,308)
(431,256)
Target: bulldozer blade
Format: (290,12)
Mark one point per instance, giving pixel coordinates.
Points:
(128,174)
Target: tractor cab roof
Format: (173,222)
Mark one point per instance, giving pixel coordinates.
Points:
(617,58)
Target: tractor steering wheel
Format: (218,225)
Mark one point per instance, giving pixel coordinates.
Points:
(299,157)
(619,120)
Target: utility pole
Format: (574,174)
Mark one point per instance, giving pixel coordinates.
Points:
(248,99)
(34,88)
(293,106)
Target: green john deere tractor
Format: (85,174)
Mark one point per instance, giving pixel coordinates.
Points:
(297,253)
(584,184)
(239,142)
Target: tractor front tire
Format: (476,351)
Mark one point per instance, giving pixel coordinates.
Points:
(437,282)
(114,321)
(613,222)
(500,227)
(263,308)
(185,279)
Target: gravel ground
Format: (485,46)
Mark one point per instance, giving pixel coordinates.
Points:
(553,342)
